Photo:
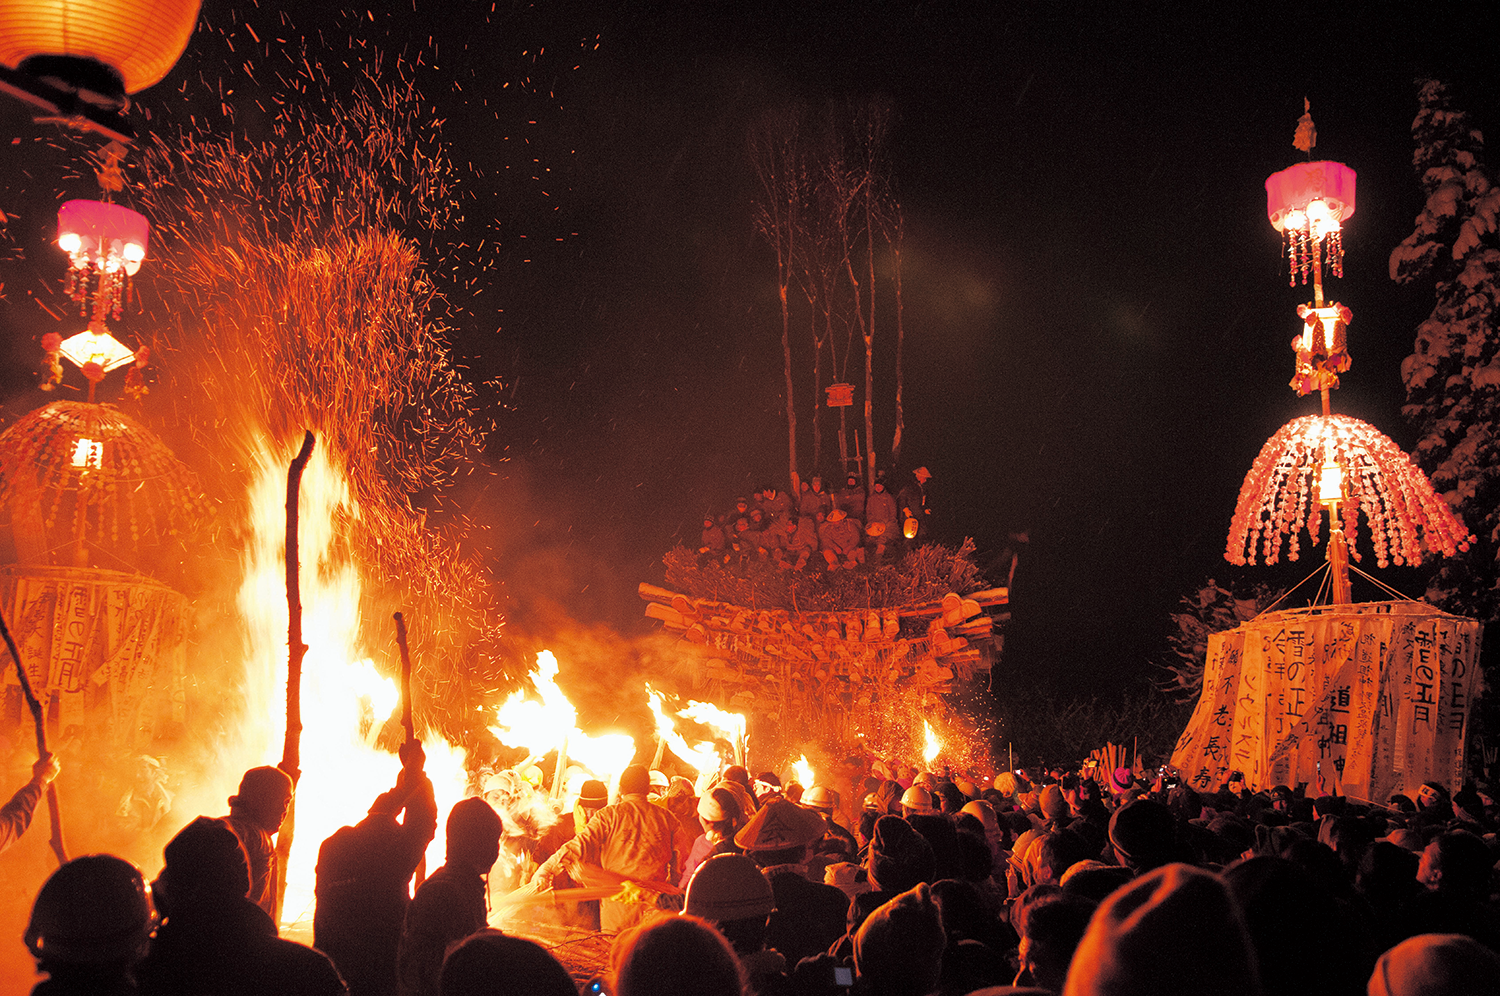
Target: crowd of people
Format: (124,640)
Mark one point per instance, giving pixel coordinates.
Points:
(896,882)
(839,530)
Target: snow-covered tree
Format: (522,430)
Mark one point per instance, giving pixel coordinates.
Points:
(1211,609)
(1453,375)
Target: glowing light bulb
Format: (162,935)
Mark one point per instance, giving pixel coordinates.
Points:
(1295,219)
(69,242)
(1317,211)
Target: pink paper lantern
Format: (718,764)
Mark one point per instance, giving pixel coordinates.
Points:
(1309,203)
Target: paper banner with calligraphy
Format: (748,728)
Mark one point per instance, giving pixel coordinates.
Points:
(1360,700)
(99,646)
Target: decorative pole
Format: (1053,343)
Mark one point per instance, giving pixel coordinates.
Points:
(53,811)
(291,750)
(1328,461)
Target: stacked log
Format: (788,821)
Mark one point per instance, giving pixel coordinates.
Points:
(822,668)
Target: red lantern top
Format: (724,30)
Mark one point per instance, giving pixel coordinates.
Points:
(1290,195)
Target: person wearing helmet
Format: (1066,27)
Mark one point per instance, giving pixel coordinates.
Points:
(839,540)
(809,915)
(881,510)
(364,875)
(730,893)
(212,939)
(917,801)
(89,926)
(837,844)
(721,815)
(631,839)
(255,815)
(16,814)
(451,904)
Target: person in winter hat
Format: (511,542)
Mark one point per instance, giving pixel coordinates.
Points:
(1436,965)
(1172,932)
(898,950)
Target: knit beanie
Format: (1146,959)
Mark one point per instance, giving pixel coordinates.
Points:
(1172,931)
(898,950)
(1053,805)
(899,856)
(1437,965)
(1142,832)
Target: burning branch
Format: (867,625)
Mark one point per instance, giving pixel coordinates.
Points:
(56,840)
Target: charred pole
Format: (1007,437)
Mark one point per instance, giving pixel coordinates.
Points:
(291,750)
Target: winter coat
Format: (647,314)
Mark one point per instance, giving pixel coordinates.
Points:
(448,907)
(881,507)
(261,851)
(230,949)
(363,875)
(840,537)
(806,536)
(852,501)
(809,916)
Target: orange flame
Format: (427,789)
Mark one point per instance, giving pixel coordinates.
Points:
(703,757)
(931,745)
(549,722)
(729,725)
(806,776)
(346,701)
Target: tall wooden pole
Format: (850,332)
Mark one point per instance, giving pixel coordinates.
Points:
(291,749)
(406,721)
(53,811)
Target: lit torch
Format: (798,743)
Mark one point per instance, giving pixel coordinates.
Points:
(931,745)
(703,757)
(804,771)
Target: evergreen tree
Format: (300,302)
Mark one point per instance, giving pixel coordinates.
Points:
(1453,375)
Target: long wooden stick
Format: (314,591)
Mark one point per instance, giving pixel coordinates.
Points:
(53,811)
(291,756)
(291,749)
(406,721)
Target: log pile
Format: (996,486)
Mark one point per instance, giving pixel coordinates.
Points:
(836,675)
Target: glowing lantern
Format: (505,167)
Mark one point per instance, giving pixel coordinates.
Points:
(105,244)
(1308,204)
(88,454)
(840,395)
(97,346)
(107,48)
(1349,462)
(1330,482)
(909,528)
(1322,348)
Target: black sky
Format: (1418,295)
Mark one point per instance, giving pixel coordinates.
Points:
(1097,315)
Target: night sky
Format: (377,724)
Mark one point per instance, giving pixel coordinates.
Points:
(1097,313)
